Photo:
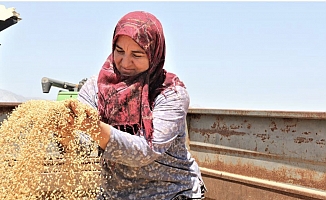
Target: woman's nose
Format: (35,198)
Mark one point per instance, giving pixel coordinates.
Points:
(125,61)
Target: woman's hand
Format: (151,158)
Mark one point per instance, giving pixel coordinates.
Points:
(76,117)
(85,119)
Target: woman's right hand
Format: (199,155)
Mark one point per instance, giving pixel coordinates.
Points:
(85,119)
(81,118)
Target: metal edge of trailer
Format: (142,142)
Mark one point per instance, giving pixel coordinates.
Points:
(260,113)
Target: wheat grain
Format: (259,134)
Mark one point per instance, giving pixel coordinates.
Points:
(31,164)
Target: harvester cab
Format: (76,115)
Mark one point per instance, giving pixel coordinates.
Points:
(71,89)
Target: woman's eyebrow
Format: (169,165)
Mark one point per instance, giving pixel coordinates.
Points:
(118,46)
(135,51)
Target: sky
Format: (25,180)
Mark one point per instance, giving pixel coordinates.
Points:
(230,55)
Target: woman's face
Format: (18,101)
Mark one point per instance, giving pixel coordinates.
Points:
(130,59)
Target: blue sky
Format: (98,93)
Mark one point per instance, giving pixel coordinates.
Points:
(230,55)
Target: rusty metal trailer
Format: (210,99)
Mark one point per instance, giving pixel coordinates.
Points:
(251,154)
(248,154)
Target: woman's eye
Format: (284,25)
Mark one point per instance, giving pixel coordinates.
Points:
(137,55)
(119,50)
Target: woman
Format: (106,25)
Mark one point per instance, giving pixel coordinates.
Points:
(142,109)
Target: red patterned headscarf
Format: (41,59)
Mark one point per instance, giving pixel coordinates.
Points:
(128,101)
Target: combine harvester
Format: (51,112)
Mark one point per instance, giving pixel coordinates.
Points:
(70,89)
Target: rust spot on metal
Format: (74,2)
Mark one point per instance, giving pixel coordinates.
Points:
(219,127)
(321,142)
(306,133)
(234,126)
(263,136)
(303,140)
(214,125)
(288,128)
(223,132)
(228,133)
(249,126)
(273,126)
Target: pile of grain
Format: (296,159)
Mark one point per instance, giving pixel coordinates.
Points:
(31,164)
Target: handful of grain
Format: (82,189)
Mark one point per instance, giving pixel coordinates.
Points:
(28,138)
